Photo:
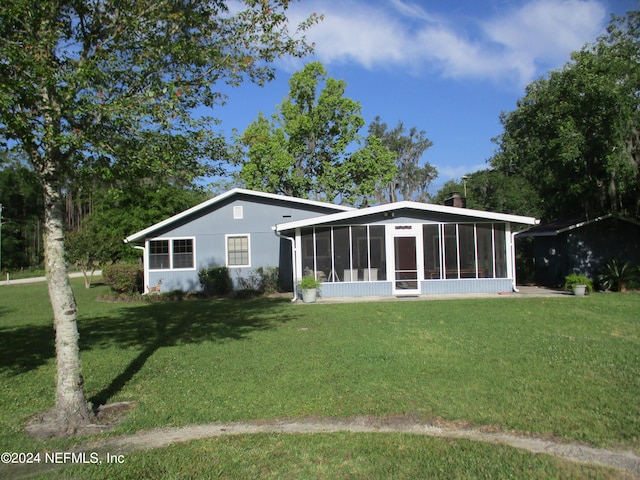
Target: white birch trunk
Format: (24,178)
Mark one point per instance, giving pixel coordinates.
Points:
(71,409)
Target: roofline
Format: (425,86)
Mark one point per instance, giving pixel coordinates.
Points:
(553,233)
(425,207)
(219,198)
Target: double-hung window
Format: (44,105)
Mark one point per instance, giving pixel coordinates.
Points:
(238,251)
(171,254)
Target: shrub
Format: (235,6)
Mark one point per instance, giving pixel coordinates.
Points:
(215,280)
(617,277)
(261,280)
(574,279)
(123,278)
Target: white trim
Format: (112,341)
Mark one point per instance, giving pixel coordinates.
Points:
(170,268)
(226,249)
(423,207)
(238,212)
(271,196)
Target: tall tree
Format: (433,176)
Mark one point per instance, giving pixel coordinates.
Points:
(493,191)
(412,178)
(575,136)
(306,148)
(22,209)
(85,84)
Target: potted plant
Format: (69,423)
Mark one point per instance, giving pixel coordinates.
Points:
(578,284)
(309,286)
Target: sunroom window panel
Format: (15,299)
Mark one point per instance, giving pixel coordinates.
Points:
(323,254)
(341,255)
(377,254)
(450,251)
(359,252)
(159,255)
(501,250)
(307,252)
(467,242)
(485,250)
(431,246)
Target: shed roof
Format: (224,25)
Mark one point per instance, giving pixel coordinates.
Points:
(552,229)
(415,206)
(224,196)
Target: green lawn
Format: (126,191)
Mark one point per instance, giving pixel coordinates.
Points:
(567,367)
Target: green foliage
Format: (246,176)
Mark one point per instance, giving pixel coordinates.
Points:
(574,279)
(261,280)
(215,281)
(618,277)
(574,136)
(22,209)
(411,179)
(123,278)
(309,282)
(306,148)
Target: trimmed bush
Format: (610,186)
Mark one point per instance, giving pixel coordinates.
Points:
(123,278)
(215,281)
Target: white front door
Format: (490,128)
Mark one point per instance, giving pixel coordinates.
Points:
(405,256)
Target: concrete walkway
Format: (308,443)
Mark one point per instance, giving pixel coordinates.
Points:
(524,292)
(22,281)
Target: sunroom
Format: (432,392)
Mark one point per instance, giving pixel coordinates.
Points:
(406,248)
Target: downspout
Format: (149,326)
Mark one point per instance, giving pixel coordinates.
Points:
(513,258)
(293,263)
(145,274)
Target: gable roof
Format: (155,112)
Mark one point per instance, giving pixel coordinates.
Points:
(552,229)
(416,206)
(224,196)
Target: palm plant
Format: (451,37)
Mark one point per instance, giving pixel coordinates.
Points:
(616,277)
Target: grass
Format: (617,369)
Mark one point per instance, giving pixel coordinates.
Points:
(565,367)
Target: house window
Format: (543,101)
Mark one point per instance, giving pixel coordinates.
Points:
(171,254)
(238,251)
(159,254)
(183,253)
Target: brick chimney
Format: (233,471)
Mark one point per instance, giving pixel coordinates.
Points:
(456,200)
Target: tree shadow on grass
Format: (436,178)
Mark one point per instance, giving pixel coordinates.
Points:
(147,327)
(155,326)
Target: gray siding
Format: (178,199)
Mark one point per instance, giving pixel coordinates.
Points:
(210,227)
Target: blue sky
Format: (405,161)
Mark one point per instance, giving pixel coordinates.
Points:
(448,67)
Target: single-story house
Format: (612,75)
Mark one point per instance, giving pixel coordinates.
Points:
(582,246)
(402,248)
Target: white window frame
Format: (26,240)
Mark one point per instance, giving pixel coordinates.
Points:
(171,240)
(226,249)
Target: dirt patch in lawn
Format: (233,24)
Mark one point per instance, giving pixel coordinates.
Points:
(627,461)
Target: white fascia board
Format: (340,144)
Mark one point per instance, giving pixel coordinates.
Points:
(423,207)
(272,196)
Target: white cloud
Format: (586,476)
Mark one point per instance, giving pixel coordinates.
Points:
(518,44)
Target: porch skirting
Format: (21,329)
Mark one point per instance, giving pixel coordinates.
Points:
(427,287)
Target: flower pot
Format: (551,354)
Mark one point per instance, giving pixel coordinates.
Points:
(309,295)
(579,290)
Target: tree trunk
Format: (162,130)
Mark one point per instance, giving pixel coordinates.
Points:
(71,411)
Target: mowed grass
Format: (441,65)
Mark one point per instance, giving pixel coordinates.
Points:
(566,367)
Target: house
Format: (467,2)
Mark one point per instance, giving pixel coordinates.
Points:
(582,246)
(402,248)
